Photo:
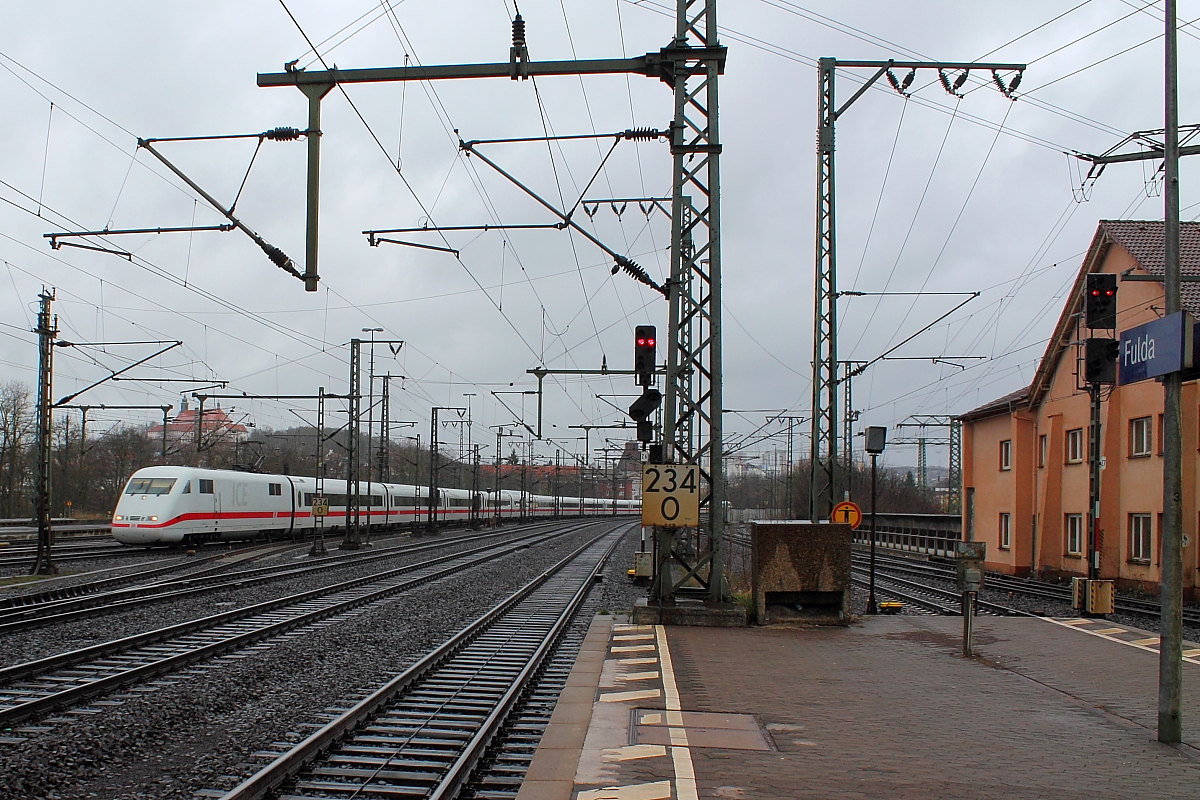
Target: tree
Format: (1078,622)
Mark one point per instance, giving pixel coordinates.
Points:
(16,435)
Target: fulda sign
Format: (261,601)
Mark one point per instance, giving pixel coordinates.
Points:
(1156,348)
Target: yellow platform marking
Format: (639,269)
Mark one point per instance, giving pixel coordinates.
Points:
(652,718)
(1151,640)
(634,752)
(626,628)
(638,676)
(1076,621)
(632,648)
(621,697)
(1189,656)
(681,754)
(630,637)
(635,661)
(659,790)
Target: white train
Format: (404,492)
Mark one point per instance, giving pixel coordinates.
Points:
(188,505)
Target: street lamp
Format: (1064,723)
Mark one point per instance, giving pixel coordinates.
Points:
(876,441)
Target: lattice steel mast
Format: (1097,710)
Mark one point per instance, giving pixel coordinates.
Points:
(823,456)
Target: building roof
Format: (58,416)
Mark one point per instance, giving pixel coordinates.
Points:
(214,419)
(1144,239)
(1001,405)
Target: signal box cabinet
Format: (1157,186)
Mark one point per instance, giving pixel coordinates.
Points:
(801,572)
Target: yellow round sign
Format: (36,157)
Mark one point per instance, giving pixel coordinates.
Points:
(848,513)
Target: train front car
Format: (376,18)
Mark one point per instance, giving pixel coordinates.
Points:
(151,500)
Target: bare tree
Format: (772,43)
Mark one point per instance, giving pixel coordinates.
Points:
(16,435)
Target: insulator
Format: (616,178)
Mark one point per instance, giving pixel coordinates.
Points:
(283,134)
(642,133)
(891,76)
(908,79)
(635,271)
(958,83)
(1016,81)
(518,25)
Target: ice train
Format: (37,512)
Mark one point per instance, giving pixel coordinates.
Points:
(190,505)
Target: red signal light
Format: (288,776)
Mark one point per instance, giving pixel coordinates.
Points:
(641,342)
(650,343)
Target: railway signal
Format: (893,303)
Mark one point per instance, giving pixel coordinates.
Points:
(645,348)
(1100,301)
(1100,360)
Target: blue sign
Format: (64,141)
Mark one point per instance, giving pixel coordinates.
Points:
(1156,348)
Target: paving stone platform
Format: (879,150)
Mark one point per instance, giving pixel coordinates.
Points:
(887,708)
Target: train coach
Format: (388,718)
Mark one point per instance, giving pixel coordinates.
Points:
(190,505)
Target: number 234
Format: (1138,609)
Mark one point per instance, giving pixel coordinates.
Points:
(671,483)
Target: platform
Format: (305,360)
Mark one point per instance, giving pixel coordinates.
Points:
(887,708)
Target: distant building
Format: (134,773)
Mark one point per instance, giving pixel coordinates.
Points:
(1025,470)
(216,427)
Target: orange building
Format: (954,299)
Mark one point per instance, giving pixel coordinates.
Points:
(1025,455)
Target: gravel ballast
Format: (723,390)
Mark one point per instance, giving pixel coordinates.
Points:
(199,728)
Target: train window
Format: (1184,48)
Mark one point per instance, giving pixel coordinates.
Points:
(187,488)
(150,485)
(275,489)
(206,486)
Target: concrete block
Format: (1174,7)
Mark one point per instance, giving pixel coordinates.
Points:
(801,572)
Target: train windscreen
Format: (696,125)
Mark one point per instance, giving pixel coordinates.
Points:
(150,485)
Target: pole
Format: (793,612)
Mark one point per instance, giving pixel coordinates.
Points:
(1093,551)
(385,436)
(47,331)
(352,540)
(431,523)
(1170,658)
(872,606)
(318,545)
(968,612)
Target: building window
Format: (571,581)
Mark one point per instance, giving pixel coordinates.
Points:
(1006,454)
(1140,437)
(275,489)
(1005,531)
(1043,447)
(1074,528)
(1140,538)
(1160,434)
(206,486)
(1075,445)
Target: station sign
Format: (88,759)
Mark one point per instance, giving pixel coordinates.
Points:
(1156,348)
(847,513)
(671,495)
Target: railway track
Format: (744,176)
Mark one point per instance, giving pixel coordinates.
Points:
(216,578)
(424,732)
(23,557)
(925,594)
(69,679)
(1027,587)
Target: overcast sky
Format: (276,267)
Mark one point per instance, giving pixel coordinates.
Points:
(935,194)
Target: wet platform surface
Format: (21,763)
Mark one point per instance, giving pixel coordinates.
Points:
(888,708)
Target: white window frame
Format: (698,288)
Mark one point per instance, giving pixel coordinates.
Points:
(1073,534)
(1005,536)
(1141,437)
(1006,454)
(1075,446)
(1141,537)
